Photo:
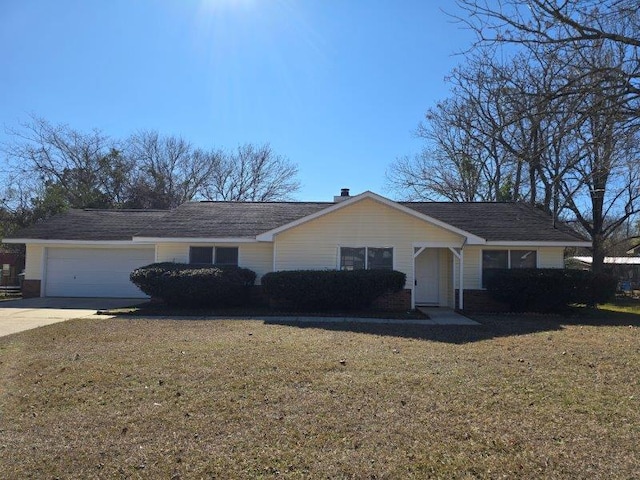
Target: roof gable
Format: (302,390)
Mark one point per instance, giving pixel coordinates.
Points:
(269,235)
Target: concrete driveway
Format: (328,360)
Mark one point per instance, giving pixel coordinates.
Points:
(24,314)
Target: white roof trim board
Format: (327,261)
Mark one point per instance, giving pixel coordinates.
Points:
(110,243)
(498,243)
(193,240)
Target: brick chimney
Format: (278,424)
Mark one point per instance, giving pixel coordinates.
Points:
(344,195)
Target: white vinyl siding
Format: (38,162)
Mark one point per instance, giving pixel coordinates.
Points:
(172,252)
(258,257)
(367,223)
(471,268)
(254,256)
(33,262)
(551,257)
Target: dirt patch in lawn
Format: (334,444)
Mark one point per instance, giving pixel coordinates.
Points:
(140,398)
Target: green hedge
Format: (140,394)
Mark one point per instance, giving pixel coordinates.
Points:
(195,286)
(548,289)
(320,290)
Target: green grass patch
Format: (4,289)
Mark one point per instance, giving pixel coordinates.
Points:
(6,297)
(622,304)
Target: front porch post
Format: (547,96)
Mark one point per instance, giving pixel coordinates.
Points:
(413,280)
(460,256)
(461,290)
(454,275)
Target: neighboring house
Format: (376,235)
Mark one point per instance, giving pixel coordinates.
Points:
(634,250)
(443,248)
(11,264)
(626,269)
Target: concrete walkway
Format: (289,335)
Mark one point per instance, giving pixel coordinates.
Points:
(437,316)
(446,316)
(25,314)
(440,319)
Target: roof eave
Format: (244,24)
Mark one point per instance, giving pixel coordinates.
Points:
(137,239)
(541,243)
(49,241)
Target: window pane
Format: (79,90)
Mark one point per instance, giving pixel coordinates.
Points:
(351,258)
(492,259)
(201,255)
(380,258)
(227,256)
(523,259)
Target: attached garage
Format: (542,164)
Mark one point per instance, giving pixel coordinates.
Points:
(93,272)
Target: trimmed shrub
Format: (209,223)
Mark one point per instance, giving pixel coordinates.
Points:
(548,290)
(592,288)
(186,285)
(320,290)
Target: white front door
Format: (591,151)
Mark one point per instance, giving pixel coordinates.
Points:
(427,285)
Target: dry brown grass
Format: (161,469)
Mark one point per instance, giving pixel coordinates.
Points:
(519,397)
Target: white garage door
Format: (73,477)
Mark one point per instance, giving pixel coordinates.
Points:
(94,272)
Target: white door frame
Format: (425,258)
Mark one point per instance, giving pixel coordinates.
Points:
(458,254)
(427,287)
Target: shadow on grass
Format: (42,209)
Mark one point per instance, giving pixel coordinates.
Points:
(491,326)
(157,309)
(456,334)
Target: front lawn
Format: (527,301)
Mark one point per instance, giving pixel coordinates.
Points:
(518,397)
(154,309)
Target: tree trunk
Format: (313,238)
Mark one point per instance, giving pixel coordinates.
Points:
(597,244)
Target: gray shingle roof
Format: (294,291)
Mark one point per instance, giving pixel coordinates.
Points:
(491,221)
(498,221)
(92,225)
(229,219)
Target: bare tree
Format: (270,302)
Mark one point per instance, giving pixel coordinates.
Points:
(553,22)
(473,151)
(168,170)
(602,190)
(513,124)
(80,169)
(453,166)
(571,28)
(252,173)
(50,168)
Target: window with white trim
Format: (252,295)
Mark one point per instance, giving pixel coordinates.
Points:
(213,255)
(501,259)
(366,258)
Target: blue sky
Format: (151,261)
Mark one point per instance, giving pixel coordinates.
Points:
(337,86)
